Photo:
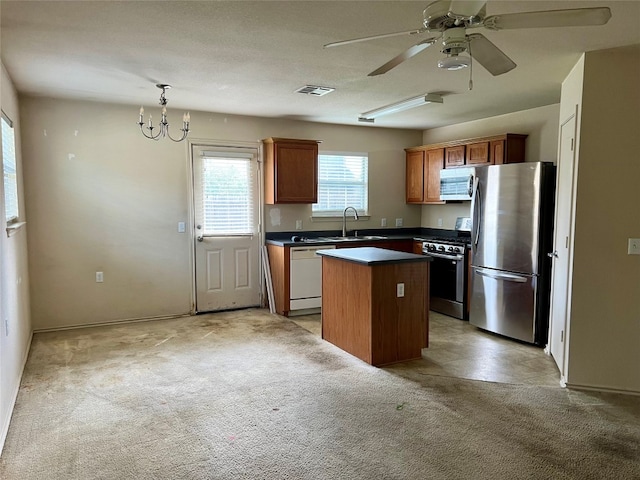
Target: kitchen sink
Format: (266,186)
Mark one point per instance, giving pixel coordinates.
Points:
(354,238)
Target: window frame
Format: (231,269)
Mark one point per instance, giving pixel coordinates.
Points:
(14,220)
(332,214)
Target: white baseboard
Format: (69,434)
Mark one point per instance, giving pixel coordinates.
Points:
(111,322)
(14,397)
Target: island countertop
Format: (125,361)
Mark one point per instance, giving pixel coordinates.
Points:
(373,255)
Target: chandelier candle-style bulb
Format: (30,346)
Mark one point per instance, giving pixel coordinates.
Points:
(163,130)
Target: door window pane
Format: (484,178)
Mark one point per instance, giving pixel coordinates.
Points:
(227,202)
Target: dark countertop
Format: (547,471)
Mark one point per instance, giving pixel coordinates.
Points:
(307,241)
(283,239)
(373,255)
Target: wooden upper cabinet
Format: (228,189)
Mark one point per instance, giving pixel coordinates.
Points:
(454,156)
(415,177)
(290,170)
(510,149)
(477,154)
(434,162)
(423,175)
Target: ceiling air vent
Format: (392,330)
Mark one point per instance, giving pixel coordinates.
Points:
(315,90)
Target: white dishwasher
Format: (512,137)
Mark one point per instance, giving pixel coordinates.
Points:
(306,277)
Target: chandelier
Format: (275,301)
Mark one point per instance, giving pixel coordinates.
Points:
(164,124)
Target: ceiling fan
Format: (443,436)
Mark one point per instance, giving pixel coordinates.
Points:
(452,18)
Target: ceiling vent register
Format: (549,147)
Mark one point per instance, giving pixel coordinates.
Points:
(315,90)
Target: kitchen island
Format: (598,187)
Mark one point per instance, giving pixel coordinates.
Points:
(375,303)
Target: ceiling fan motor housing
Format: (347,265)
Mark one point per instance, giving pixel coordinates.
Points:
(438,16)
(454,41)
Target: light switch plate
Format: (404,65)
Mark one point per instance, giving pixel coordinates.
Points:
(181,227)
(634,246)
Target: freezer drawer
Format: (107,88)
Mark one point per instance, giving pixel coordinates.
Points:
(504,303)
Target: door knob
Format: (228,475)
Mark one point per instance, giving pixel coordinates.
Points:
(553,254)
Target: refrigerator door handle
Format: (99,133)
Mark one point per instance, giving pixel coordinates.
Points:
(502,276)
(477,208)
(470,185)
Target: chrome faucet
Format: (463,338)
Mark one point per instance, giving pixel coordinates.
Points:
(344,219)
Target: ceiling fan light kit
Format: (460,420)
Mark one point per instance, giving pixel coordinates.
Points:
(371,115)
(454,62)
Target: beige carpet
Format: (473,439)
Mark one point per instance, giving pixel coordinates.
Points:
(249,395)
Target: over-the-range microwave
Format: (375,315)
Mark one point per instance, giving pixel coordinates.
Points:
(456,183)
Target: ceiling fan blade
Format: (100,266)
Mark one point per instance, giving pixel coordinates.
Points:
(465,8)
(575,17)
(488,55)
(406,55)
(373,37)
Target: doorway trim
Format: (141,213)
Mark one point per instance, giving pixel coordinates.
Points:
(222,144)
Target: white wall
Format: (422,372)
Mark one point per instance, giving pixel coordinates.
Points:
(541,126)
(604,349)
(101,197)
(15,331)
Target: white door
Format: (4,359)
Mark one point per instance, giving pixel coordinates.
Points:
(226,226)
(562,245)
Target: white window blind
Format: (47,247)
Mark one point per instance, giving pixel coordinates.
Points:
(342,182)
(227,200)
(9,168)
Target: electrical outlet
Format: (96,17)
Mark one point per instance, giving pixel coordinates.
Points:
(439,222)
(634,246)
(400,290)
(298,224)
(398,222)
(99,277)
(383,222)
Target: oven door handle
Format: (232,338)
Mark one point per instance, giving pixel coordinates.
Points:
(501,276)
(447,257)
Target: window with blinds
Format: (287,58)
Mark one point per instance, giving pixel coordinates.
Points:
(9,168)
(342,182)
(227,201)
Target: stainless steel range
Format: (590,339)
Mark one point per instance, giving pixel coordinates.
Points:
(448,274)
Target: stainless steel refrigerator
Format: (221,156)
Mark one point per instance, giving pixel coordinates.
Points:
(512,210)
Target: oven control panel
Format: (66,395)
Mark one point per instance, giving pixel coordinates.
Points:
(443,249)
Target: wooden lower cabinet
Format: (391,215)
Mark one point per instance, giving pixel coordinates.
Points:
(362,314)
(280,265)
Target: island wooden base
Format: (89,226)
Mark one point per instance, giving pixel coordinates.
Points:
(362,314)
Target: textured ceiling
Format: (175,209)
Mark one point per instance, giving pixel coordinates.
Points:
(247,58)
